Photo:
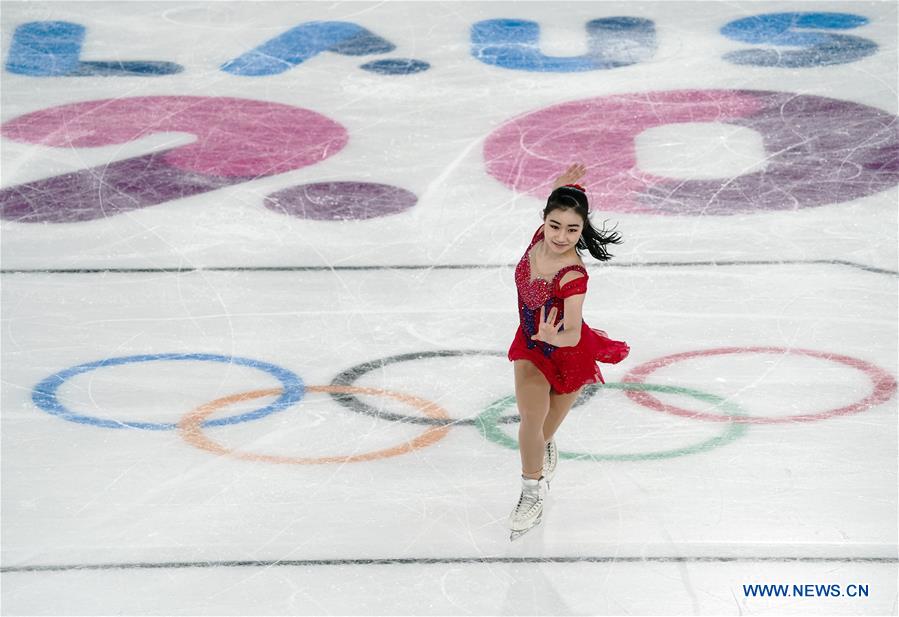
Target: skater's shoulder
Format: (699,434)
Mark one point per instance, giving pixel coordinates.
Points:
(574,272)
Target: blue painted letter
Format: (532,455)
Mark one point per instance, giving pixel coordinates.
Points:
(820,48)
(514,44)
(53,49)
(305,41)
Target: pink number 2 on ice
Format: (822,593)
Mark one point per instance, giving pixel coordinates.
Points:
(237,140)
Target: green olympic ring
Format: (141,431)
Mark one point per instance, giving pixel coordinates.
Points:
(488,426)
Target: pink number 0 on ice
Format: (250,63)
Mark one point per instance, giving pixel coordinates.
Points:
(817,150)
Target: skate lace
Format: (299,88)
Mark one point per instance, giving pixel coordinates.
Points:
(549,456)
(528,501)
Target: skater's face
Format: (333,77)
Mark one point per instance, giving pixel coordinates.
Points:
(562,229)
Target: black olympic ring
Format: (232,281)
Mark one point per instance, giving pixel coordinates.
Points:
(352,402)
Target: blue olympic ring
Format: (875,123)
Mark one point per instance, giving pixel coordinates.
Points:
(44,393)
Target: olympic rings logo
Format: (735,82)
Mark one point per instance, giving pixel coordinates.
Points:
(193,426)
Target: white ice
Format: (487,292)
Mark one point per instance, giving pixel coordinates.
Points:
(126,521)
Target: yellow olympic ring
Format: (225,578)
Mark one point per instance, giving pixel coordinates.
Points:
(191,427)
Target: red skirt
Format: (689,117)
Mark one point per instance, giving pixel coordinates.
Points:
(568,368)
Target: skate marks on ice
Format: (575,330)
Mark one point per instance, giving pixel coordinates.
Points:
(507,45)
(712,408)
(828,161)
(237,141)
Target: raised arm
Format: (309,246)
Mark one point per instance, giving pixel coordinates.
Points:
(571,175)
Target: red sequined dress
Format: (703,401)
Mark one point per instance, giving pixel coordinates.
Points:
(566,368)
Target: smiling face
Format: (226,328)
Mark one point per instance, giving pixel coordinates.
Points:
(562,229)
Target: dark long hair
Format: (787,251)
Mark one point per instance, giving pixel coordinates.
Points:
(592,239)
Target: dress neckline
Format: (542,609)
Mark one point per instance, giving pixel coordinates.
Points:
(527,259)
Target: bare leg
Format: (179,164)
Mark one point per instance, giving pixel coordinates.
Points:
(559,406)
(532,396)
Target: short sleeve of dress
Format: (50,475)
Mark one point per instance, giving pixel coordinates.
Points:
(575,287)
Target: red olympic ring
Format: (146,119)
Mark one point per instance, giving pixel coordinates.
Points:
(884,385)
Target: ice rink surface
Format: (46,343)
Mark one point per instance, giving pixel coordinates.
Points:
(258,289)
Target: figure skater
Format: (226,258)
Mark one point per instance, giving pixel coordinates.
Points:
(554,351)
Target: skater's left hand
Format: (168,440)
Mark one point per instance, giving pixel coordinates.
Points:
(547,328)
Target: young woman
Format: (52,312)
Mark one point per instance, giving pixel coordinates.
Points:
(554,351)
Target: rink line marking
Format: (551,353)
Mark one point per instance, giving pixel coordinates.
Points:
(647,264)
(434,561)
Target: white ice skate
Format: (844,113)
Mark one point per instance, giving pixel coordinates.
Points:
(550,460)
(529,511)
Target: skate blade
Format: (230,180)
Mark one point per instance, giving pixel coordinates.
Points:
(517,534)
